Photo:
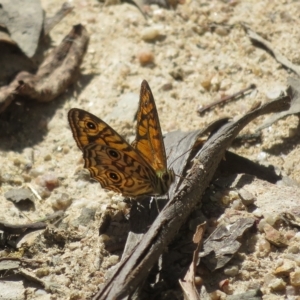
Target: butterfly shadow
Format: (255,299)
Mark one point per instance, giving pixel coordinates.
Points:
(25,122)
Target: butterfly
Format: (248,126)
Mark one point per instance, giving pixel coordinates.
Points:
(131,170)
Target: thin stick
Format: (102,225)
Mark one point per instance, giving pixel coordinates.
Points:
(225,99)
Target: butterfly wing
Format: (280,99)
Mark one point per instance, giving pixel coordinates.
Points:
(118,171)
(149,141)
(109,158)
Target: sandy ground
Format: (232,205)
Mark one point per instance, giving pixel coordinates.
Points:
(188,56)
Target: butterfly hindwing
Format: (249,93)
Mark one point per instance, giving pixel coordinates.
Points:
(118,171)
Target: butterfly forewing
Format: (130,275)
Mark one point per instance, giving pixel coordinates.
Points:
(149,141)
(88,129)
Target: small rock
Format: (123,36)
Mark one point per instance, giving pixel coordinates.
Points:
(257,213)
(48,180)
(264,247)
(291,291)
(275,92)
(231,271)
(250,294)
(294,249)
(6,265)
(112,260)
(178,74)
(145,57)
(295,278)
(42,272)
(47,157)
(151,34)
(12,289)
(166,87)
(19,195)
(61,201)
(86,216)
(246,197)
(277,284)
(285,269)
(274,236)
(37,171)
(261,156)
(29,239)
(221,31)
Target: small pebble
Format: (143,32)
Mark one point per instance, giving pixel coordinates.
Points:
(166,87)
(74,245)
(285,269)
(26,177)
(198,281)
(264,247)
(231,271)
(41,272)
(47,157)
(295,278)
(111,261)
(246,197)
(290,234)
(37,171)
(145,57)
(257,213)
(48,180)
(261,156)
(237,204)
(19,195)
(40,292)
(294,249)
(277,284)
(274,236)
(17,162)
(29,239)
(61,201)
(291,291)
(275,92)
(270,218)
(221,31)
(151,34)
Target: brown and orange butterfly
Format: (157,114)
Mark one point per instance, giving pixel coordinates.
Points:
(132,170)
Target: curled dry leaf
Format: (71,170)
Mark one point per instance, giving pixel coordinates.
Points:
(58,71)
(188,283)
(294,92)
(256,38)
(222,244)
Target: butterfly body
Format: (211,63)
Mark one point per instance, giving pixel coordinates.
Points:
(132,170)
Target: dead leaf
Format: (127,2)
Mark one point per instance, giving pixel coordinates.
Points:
(58,71)
(188,283)
(222,244)
(267,45)
(294,91)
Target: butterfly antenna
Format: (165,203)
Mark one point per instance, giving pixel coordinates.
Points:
(182,177)
(179,155)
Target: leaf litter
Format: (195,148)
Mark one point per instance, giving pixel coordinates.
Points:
(108,72)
